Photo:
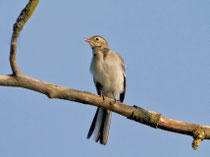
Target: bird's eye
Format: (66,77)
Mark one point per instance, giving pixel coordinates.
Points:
(97,39)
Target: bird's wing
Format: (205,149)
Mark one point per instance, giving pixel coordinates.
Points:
(122,63)
(122,95)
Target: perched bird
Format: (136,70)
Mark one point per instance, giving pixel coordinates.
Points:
(108,70)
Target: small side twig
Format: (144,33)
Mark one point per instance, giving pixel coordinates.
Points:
(25,14)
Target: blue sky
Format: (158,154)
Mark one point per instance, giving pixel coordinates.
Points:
(165,45)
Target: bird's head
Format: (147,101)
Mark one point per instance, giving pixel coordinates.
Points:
(97,41)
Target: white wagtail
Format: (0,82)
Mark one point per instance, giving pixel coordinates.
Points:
(108,70)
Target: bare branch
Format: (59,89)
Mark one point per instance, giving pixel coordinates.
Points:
(25,14)
(153,119)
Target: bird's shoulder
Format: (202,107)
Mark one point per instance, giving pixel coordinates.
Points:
(116,56)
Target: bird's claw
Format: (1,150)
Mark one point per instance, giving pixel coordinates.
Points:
(112,103)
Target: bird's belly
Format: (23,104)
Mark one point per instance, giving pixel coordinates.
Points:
(110,76)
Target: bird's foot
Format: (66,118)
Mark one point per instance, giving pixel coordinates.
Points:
(112,103)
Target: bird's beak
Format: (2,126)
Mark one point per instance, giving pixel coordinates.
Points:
(88,40)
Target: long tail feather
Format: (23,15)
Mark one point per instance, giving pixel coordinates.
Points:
(105,126)
(99,121)
(101,124)
(93,124)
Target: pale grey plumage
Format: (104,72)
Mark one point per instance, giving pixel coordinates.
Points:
(108,70)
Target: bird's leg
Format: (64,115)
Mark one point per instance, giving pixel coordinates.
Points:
(102,97)
(102,94)
(114,99)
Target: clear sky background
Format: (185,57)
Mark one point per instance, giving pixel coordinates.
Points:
(165,45)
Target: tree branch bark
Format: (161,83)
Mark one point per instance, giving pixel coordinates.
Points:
(153,119)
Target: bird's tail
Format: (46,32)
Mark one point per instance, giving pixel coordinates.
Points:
(101,123)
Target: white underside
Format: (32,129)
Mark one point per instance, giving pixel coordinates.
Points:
(109,74)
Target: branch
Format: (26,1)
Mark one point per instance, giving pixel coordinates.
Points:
(153,119)
(25,14)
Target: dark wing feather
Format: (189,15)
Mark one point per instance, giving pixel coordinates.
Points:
(98,87)
(122,95)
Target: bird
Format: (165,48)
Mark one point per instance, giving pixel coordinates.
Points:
(109,76)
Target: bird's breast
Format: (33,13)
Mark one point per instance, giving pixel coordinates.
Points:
(107,72)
